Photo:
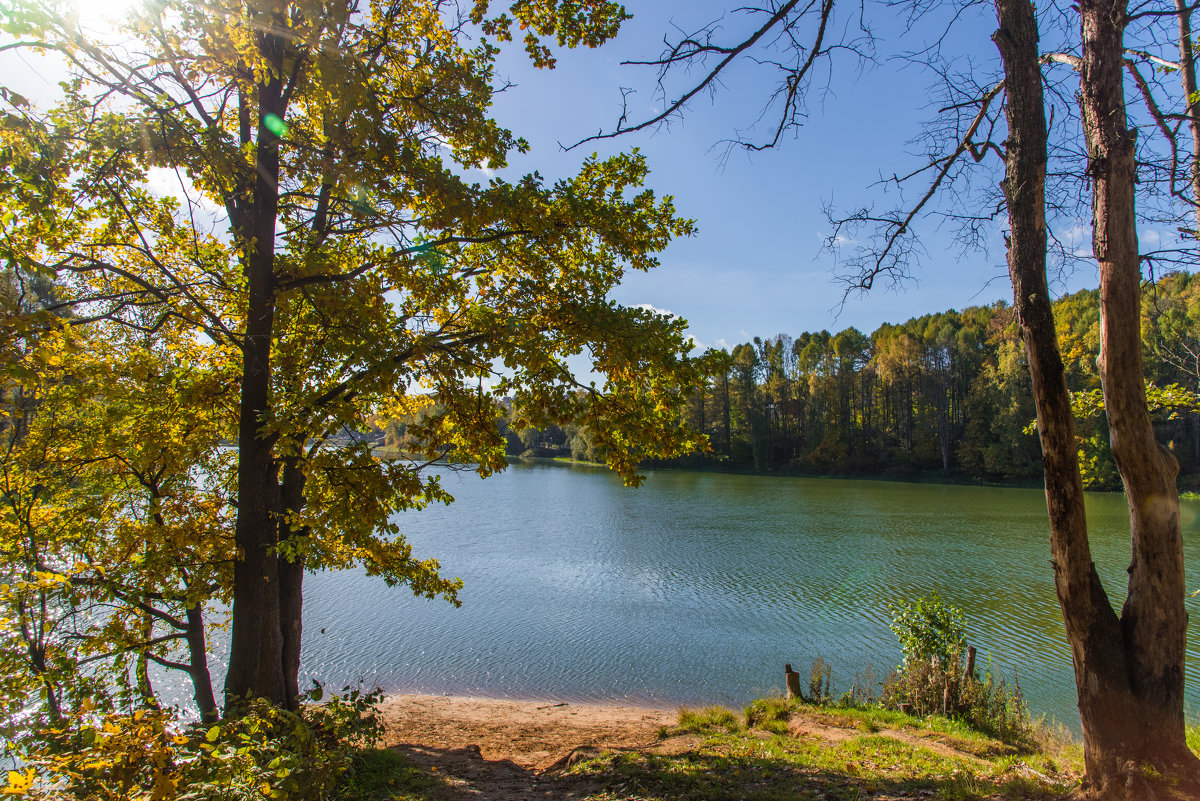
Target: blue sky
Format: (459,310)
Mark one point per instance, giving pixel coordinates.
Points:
(757,267)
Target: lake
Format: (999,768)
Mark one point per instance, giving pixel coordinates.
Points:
(696,588)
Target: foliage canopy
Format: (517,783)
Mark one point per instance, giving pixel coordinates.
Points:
(325,258)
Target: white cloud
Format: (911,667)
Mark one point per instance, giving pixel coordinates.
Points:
(650,308)
(720,344)
(1076,234)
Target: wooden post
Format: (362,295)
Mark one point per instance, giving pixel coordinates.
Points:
(969,672)
(792,680)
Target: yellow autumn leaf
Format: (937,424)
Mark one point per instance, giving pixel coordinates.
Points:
(19,783)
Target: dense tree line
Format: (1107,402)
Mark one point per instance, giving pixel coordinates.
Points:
(944,394)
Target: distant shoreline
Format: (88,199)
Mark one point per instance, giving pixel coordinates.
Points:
(925,480)
(950,481)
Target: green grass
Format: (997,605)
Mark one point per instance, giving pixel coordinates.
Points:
(876,751)
(378,774)
(749,766)
(708,719)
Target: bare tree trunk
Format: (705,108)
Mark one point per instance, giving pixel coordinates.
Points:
(1128,670)
(1154,622)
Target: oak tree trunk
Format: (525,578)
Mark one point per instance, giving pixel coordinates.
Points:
(256,647)
(291,579)
(1128,669)
(255,656)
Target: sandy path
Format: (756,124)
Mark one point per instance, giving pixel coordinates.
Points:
(531,734)
(494,750)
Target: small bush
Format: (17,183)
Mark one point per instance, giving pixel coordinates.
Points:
(929,630)
(933,678)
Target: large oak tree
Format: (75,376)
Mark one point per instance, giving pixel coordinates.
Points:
(333,241)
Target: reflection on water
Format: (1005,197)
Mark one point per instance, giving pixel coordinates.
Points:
(696,588)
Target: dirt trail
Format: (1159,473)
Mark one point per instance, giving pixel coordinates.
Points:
(530,734)
(498,750)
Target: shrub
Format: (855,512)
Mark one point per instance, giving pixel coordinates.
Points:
(267,753)
(929,629)
(933,678)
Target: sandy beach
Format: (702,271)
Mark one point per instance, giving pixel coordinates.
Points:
(531,734)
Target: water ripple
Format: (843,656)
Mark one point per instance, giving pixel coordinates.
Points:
(696,588)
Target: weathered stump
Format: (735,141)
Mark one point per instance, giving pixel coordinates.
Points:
(792,681)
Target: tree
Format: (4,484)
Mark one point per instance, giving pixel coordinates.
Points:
(114,548)
(1129,667)
(328,244)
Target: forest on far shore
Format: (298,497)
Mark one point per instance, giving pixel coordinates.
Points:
(944,395)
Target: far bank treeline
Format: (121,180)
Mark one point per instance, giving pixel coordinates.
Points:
(944,395)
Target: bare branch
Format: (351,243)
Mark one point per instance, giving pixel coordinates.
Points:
(690,48)
(884,260)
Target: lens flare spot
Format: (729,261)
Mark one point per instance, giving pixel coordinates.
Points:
(275,124)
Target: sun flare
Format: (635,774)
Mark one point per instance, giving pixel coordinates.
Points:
(105,16)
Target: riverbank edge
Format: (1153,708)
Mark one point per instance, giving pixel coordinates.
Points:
(504,750)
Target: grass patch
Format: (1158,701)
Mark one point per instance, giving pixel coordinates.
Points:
(771,714)
(380,774)
(770,767)
(704,721)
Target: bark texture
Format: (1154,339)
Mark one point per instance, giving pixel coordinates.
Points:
(256,644)
(198,665)
(291,580)
(1128,669)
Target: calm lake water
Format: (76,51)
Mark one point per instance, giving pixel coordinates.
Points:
(697,588)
